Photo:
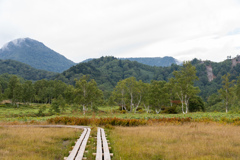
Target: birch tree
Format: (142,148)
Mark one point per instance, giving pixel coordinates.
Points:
(119,94)
(86,92)
(129,91)
(140,93)
(170,90)
(184,88)
(131,84)
(14,89)
(158,95)
(237,91)
(146,97)
(28,92)
(226,91)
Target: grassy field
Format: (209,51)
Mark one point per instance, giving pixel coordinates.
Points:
(28,113)
(159,140)
(195,141)
(23,143)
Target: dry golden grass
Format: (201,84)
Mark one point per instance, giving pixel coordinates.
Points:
(195,141)
(23,143)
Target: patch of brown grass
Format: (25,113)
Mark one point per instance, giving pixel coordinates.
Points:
(23,143)
(196,141)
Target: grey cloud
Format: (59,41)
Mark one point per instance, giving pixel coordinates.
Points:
(83,29)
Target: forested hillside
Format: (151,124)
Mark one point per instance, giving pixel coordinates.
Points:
(207,86)
(35,54)
(110,74)
(155,61)
(23,70)
(107,71)
(151,61)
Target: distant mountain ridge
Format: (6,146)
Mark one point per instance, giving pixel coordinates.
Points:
(23,70)
(35,54)
(151,61)
(155,61)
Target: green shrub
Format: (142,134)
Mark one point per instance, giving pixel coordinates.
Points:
(170,110)
(123,111)
(41,110)
(141,111)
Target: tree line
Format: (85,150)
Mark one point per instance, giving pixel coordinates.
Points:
(178,94)
(130,94)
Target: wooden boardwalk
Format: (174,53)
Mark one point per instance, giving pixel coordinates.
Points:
(102,146)
(79,148)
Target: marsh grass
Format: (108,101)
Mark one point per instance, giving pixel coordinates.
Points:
(26,113)
(26,143)
(196,141)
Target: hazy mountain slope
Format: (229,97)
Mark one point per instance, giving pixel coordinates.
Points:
(155,61)
(23,70)
(151,61)
(35,54)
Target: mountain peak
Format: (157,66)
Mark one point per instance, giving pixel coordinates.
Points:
(35,54)
(16,42)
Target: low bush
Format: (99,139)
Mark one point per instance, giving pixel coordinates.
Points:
(137,122)
(123,111)
(97,121)
(109,126)
(170,110)
(114,121)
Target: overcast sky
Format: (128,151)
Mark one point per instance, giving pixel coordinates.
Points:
(81,29)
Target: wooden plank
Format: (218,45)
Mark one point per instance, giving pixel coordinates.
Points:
(105,146)
(77,145)
(99,145)
(83,146)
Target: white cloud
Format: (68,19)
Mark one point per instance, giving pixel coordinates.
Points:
(138,28)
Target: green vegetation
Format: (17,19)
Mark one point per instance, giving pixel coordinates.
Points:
(23,70)
(176,95)
(160,101)
(156,61)
(109,81)
(41,113)
(107,71)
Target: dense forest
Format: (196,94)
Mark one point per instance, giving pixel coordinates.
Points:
(155,61)
(23,70)
(107,73)
(151,61)
(180,93)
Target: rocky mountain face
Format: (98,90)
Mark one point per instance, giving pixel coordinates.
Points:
(35,54)
(210,74)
